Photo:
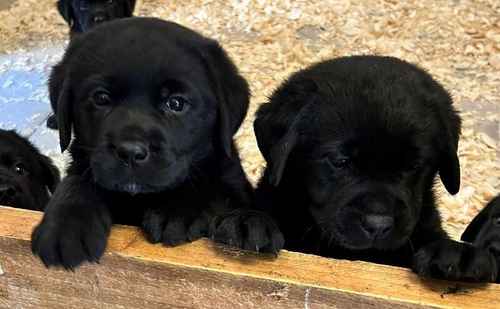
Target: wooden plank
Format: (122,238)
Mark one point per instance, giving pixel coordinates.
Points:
(136,274)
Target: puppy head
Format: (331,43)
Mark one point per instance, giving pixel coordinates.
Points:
(81,15)
(26,176)
(484,230)
(364,137)
(149,101)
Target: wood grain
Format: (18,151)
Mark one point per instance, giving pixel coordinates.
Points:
(136,274)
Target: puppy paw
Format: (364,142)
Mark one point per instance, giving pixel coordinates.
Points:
(70,240)
(451,260)
(172,231)
(248,230)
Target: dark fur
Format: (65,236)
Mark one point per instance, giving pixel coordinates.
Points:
(191,171)
(484,230)
(82,15)
(353,147)
(26,176)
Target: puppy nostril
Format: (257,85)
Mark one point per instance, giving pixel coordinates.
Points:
(132,152)
(378,226)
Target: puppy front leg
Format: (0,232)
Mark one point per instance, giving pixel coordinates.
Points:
(452,260)
(244,226)
(440,257)
(75,226)
(174,226)
(247,229)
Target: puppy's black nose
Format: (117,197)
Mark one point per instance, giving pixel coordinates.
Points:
(377,226)
(99,19)
(132,153)
(6,192)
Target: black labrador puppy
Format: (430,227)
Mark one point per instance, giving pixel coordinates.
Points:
(26,176)
(82,15)
(153,107)
(353,147)
(484,230)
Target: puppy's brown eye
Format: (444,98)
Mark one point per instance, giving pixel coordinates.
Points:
(175,104)
(101,98)
(20,169)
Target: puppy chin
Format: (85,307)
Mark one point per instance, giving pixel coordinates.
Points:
(114,177)
(359,242)
(134,188)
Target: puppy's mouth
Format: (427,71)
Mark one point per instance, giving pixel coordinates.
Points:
(134,188)
(152,177)
(367,243)
(356,239)
(134,185)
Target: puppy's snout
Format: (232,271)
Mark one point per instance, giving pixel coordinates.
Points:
(6,192)
(132,153)
(377,226)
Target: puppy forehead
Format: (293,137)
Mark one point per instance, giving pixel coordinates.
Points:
(373,136)
(372,121)
(13,147)
(152,72)
(138,63)
(78,2)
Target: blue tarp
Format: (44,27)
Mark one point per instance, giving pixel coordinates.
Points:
(24,102)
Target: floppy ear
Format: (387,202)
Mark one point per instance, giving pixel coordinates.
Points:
(449,170)
(65,9)
(64,115)
(231,91)
(129,7)
(51,176)
(279,154)
(278,131)
(449,165)
(472,230)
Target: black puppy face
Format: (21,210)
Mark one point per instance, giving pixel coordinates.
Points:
(82,15)
(366,184)
(147,104)
(484,230)
(26,176)
(147,135)
(364,148)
